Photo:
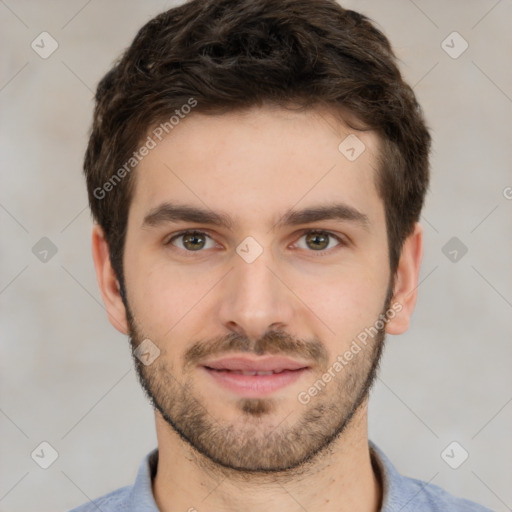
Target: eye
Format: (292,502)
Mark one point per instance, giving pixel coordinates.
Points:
(195,241)
(320,240)
(191,241)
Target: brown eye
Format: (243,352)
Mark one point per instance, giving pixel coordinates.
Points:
(190,240)
(193,241)
(319,240)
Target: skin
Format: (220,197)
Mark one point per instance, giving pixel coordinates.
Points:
(218,452)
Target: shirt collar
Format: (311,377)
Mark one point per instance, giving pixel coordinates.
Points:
(395,494)
(141,495)
(397,490)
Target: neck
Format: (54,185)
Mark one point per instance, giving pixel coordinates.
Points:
(340,479)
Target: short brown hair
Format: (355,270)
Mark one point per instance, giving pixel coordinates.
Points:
(234,54)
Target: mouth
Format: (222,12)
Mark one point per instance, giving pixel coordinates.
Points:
(251,377)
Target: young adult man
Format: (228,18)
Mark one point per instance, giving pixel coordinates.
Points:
(256,171)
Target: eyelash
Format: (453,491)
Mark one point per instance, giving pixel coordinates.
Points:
(341,241)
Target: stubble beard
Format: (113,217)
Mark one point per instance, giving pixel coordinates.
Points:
(255,444)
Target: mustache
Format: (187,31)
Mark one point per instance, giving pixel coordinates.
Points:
(274,342)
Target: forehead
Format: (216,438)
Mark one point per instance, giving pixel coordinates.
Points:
(258,164)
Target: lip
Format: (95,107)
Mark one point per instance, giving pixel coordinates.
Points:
(262,364)
(226,373)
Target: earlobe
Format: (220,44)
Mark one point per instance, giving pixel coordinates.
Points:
(107,281)
(406,282)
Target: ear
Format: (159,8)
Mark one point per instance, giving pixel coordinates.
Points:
(107,281)
(405,287)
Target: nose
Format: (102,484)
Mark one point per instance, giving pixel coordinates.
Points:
(255,298)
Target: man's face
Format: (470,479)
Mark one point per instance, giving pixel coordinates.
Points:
(260,289)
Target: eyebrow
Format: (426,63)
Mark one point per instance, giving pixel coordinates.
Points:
(168,212)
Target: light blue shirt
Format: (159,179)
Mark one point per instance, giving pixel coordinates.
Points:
(400,493)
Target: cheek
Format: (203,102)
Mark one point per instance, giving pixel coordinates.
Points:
(347,305)
(344,299)
(165,297)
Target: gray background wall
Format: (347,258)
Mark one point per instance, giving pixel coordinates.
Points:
(66,374)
